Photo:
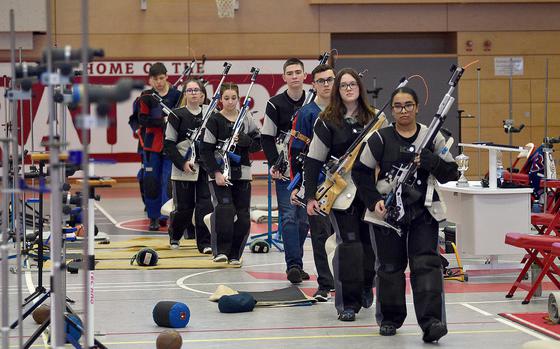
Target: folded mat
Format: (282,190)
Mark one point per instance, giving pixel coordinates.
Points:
(128,253)
(156,243)
(289,296)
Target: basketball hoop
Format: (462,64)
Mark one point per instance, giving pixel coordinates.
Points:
(226,8)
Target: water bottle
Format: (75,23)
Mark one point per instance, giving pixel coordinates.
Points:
(499,168)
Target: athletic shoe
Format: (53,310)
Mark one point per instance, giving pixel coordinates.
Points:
(162,222)
(387,330)
(434,332)
(347,315)
(304,275)
(174,244)
(154,225)
(294,275)
(234,262)
(322,295)
(221,258)
(207,250)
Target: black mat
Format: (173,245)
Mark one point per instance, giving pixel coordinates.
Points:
(285,296)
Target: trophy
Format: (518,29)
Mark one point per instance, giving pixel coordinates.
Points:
(462,161)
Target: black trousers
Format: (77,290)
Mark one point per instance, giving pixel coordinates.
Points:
(229,234)
(189,196)
(419,246)
(354,259)
(321,229)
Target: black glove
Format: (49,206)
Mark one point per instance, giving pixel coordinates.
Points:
(243,140)
(428,160)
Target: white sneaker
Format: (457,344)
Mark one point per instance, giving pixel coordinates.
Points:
(174,244)
(207,250)
(234,262)
(220,258)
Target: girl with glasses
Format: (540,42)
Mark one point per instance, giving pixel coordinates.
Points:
(337,127)
(418,245)
(188,179)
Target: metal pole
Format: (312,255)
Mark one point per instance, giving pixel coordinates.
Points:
(18,211)
(88,265)
(478,112)
(546,99)
(547,151)
(58,338)
(4,247)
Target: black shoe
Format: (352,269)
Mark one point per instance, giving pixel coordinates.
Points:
(322,295)
(434,332)
(154,225)
(294,275)
(347,315)
(304,275)
(367,297)
(387,330)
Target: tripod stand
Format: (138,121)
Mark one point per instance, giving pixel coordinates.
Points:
(270,240)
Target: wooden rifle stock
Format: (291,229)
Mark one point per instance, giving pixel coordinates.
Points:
(338,180)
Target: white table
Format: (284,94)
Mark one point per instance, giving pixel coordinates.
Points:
(484,215)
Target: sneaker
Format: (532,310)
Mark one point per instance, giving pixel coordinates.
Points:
(367,297)
(207,250)
(162,222)
(347,315)
(387,330)
(154,225)
(234,262)
(294,275)
(322,295)
(304,275)
(221,258)
(174,244)
(434,332)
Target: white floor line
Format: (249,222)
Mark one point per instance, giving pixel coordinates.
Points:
(105,213)
(182,285)
(522,329)
(478,310)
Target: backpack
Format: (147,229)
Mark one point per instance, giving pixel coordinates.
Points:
(133,119)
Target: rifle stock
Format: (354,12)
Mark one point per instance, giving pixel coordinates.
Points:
(338,190)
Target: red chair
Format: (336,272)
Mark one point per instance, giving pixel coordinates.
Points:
(521,177)
(540,251)
(549,221)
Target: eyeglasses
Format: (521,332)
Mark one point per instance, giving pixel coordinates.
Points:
(345,86)
(193,90)
(322,81)
(397,108)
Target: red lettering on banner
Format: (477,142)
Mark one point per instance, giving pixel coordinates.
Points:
(147,67)
(176,66)
(115,68)
(90,68)
(101,68)
(129,68)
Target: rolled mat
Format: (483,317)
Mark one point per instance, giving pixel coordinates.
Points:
(171,314)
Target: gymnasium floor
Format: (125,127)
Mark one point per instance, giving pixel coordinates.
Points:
(125,299)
